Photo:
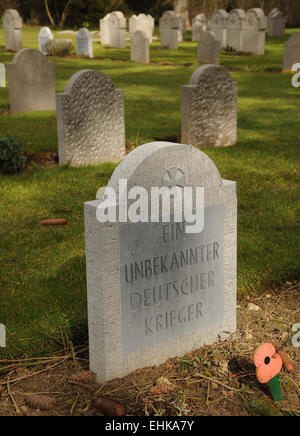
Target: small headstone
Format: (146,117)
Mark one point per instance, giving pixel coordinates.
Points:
(140,50)
(2,76)
(12,25)
(84,43)
(255,32)
(45,35)
(218,25)
(199,23)
(90,120)
(168,28)
(235,29)
(117,29)
(208,48)
(31,82)
(276,23)
(291,51)
(209,108)
(155,291)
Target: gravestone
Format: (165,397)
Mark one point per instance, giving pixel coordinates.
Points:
(182,28)
(276,23)
(218,25)
(168,28)
(31,82)
(84,43)
(255,32)
(117,30)
(291,51)
(104,30)
(235,29)
(12,25)
(2,76)
(208,48)
(141,22)
(154,290)
(209,108)
(140,51)
(90,120)
(199,23)
(45,35)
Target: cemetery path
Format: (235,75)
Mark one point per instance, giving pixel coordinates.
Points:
(214,380)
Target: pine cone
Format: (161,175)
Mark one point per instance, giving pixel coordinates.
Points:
(41,402)
(83,377)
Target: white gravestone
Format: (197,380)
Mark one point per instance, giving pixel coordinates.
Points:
(199,23)
(218,25)
(208,48)
(209,108)
(140,50)
(155,291)
(141,22)
(90,120)
(12,25)
(31,82)
(168,28)
(182,28)
(235,29)
(45,35)
(276,23)
(2,76)
(291,51)
(84,43)
(117,30)
(104,30)
(255,32)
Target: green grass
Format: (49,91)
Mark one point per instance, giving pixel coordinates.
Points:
(43,282)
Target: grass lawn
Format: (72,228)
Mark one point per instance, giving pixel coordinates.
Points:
(43,282)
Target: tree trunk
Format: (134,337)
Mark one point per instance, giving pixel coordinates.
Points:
(49,13)
(65,13)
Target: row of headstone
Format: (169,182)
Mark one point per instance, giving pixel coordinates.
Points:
(84,41)
(12,25)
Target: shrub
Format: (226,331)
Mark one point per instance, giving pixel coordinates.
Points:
(12,159)
(59,47)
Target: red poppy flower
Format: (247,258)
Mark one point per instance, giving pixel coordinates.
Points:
(267,362)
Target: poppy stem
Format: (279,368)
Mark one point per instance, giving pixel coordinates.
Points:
(275,389)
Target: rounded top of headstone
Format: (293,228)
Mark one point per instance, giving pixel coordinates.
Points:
(209,73)
(219,17)
(170,16)
(236,17)
(158,164)
(275,13)
(12,18)
(256,19)
(45,31)
(200,18)
(30,55)
(83,33)
(139,35)
(119,16)
(77,82)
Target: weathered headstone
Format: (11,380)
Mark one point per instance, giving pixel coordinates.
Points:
(117,29)
(90,120)
(291,51)
(31,82)
(235,29)
(168,28)
(199,23)
(209,108)
(154,290)
(142,22)
(218,25)
(45,35)
(208,48)
(276,23)
(2,76)
(182,28)
(84,43)
(12,25)
(104,30)
(140,51)
(255,32)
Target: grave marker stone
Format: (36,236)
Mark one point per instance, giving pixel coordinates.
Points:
(235,29)
(218,25)
(45,35)
(117,30)
(31,82)
(90,120)
(168,27)
(291,51)
(142,22)
(84,43)
(276,23)
(255,32)
(182,28)
(209,108)
(140,51)
(199,23)
(208,48)
(2,76)
(104,30)
(155,291)
(12,25)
